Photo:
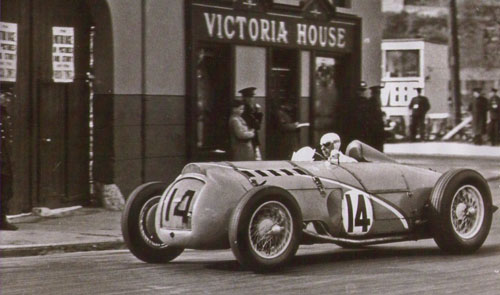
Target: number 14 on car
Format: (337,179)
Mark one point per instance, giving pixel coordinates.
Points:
(357,212)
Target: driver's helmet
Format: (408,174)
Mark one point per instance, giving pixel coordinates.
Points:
(329,142)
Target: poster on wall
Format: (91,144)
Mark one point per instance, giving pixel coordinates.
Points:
(63,58)
(8,52)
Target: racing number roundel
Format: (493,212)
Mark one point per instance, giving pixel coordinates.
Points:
(357,212)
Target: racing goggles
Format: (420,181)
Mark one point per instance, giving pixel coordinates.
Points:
(330,144)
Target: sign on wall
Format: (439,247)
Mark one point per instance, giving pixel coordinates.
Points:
(63,58)
(263,29)
(8,51)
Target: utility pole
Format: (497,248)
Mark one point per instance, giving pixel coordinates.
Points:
(454,60)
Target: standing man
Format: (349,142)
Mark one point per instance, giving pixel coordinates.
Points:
(252,115)
(363,115)
(6,165)
(376,119)
(287,136)
(494,108)
(241,135)
(419,106)
(479,108)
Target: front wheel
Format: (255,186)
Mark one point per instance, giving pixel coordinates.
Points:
(265,229)
(461,211)
(138,225)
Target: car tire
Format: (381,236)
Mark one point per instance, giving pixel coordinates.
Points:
(265,229)
(460,211)
(138,228)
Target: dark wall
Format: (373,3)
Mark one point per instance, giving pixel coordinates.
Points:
(17,11)
(119,137)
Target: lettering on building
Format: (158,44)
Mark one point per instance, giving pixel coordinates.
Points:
(260,29)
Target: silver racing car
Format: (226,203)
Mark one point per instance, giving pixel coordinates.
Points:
(263,210)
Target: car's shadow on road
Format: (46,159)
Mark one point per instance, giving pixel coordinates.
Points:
(361,256)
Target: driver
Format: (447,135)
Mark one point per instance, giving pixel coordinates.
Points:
(330,147)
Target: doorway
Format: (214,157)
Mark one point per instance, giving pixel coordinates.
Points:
(212,103)
(60,88)
(282,91)
(50,112)
(329,77)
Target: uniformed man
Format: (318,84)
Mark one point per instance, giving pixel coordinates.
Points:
(6,165)
(419,106)
(478,108)
(362,115)
(494,109)
(376,119)
(252,115)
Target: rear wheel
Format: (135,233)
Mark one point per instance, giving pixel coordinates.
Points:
(461,211)
(265,230)
(138,225)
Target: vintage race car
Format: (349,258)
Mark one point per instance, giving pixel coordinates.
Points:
(263,210)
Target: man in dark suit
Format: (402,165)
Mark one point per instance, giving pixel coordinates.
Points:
(252,115)
(6,165)
(494,109)
(287,131)
(363,109)
(478,108)
(419,106)
(376,119)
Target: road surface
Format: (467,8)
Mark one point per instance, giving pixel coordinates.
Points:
(400,268)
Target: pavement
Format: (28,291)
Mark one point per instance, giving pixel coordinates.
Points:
(83,229)
(89,229)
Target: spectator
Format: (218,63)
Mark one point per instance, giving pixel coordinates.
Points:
(478,107)
(287,131)
(494,108)
(369,118)
(241,135)
(362,122)
(419,106)
(6,165)
(252,115)
(375,119)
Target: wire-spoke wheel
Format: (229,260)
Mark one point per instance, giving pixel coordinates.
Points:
(467,211)
(461,211)
(265,229)
(270,229)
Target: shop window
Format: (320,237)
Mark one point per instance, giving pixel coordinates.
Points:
(402,63)
(212,99)
(326,96)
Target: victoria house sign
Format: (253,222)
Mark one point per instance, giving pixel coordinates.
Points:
(265,29)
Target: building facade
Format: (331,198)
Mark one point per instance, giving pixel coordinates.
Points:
(123,91)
